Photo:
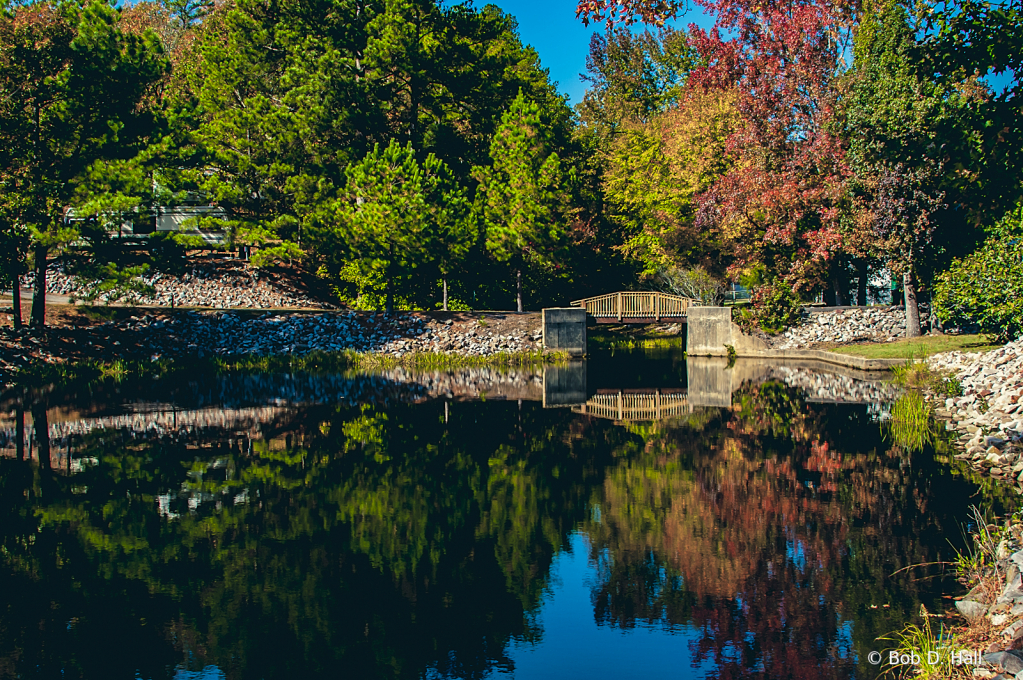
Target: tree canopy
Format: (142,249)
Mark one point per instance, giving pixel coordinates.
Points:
(805,147)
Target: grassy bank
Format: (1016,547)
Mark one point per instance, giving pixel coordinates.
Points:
(918,348)
(64,375)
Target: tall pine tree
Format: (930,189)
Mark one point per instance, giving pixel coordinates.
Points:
(520,193)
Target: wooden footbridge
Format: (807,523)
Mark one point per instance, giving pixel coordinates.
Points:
(636,307)
(636,405)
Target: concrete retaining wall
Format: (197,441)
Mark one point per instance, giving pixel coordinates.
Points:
(564,328)
(710,330)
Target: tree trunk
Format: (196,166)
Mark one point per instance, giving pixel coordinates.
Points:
(42,428)
(19,445)
(445,295)
(912,310)
(16,299)
(39,294)
(838,284)
(389,300)
(861,283)
(518,289)
(932,320)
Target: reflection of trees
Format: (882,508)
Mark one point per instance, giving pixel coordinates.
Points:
(771,535)
(379,542)
(371,542)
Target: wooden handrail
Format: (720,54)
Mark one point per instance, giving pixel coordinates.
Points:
(623,406)
(636,304)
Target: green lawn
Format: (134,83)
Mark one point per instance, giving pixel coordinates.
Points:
(918,348)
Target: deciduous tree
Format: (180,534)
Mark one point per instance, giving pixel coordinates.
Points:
(780,202)
(905,133)
(654,174)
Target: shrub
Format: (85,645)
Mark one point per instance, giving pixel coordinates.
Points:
(773,308)
(696,283)
(359,290)
(986,287)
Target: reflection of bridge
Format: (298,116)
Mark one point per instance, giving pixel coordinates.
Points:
(636,404)
(635,307)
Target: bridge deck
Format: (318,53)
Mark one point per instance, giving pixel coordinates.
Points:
(635,307)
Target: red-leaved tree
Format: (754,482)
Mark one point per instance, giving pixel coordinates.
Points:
(780,202)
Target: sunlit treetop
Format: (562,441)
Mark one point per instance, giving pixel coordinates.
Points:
(627,12)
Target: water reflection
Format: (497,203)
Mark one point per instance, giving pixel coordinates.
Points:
(448,526)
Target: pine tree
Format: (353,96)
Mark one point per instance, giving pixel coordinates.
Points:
(77,87)
(519,194)
(396,214)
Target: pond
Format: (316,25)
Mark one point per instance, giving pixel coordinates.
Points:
(634,515)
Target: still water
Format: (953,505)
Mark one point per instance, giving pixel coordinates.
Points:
(632,516)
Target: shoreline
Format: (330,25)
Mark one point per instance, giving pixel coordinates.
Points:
(979,398)
(982,401)
(108,337)
(69,373)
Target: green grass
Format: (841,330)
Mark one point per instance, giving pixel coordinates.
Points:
(910,426)
(437,360)
(919,348)
(644,343)
(933,650)
(314,362)
(64,375)
(630,339)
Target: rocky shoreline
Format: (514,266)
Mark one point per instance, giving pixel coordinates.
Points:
(988,415)
(205,335)
(993,608)
(983,405)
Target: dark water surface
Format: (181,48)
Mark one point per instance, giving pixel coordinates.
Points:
(450,526)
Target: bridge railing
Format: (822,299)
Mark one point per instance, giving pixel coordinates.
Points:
(624,406)
(635,305)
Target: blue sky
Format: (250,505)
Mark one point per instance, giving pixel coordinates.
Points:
(552,28)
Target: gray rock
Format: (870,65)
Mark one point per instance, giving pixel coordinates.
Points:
(978,594)
(1011,661)
(971,609)
(1014,631)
